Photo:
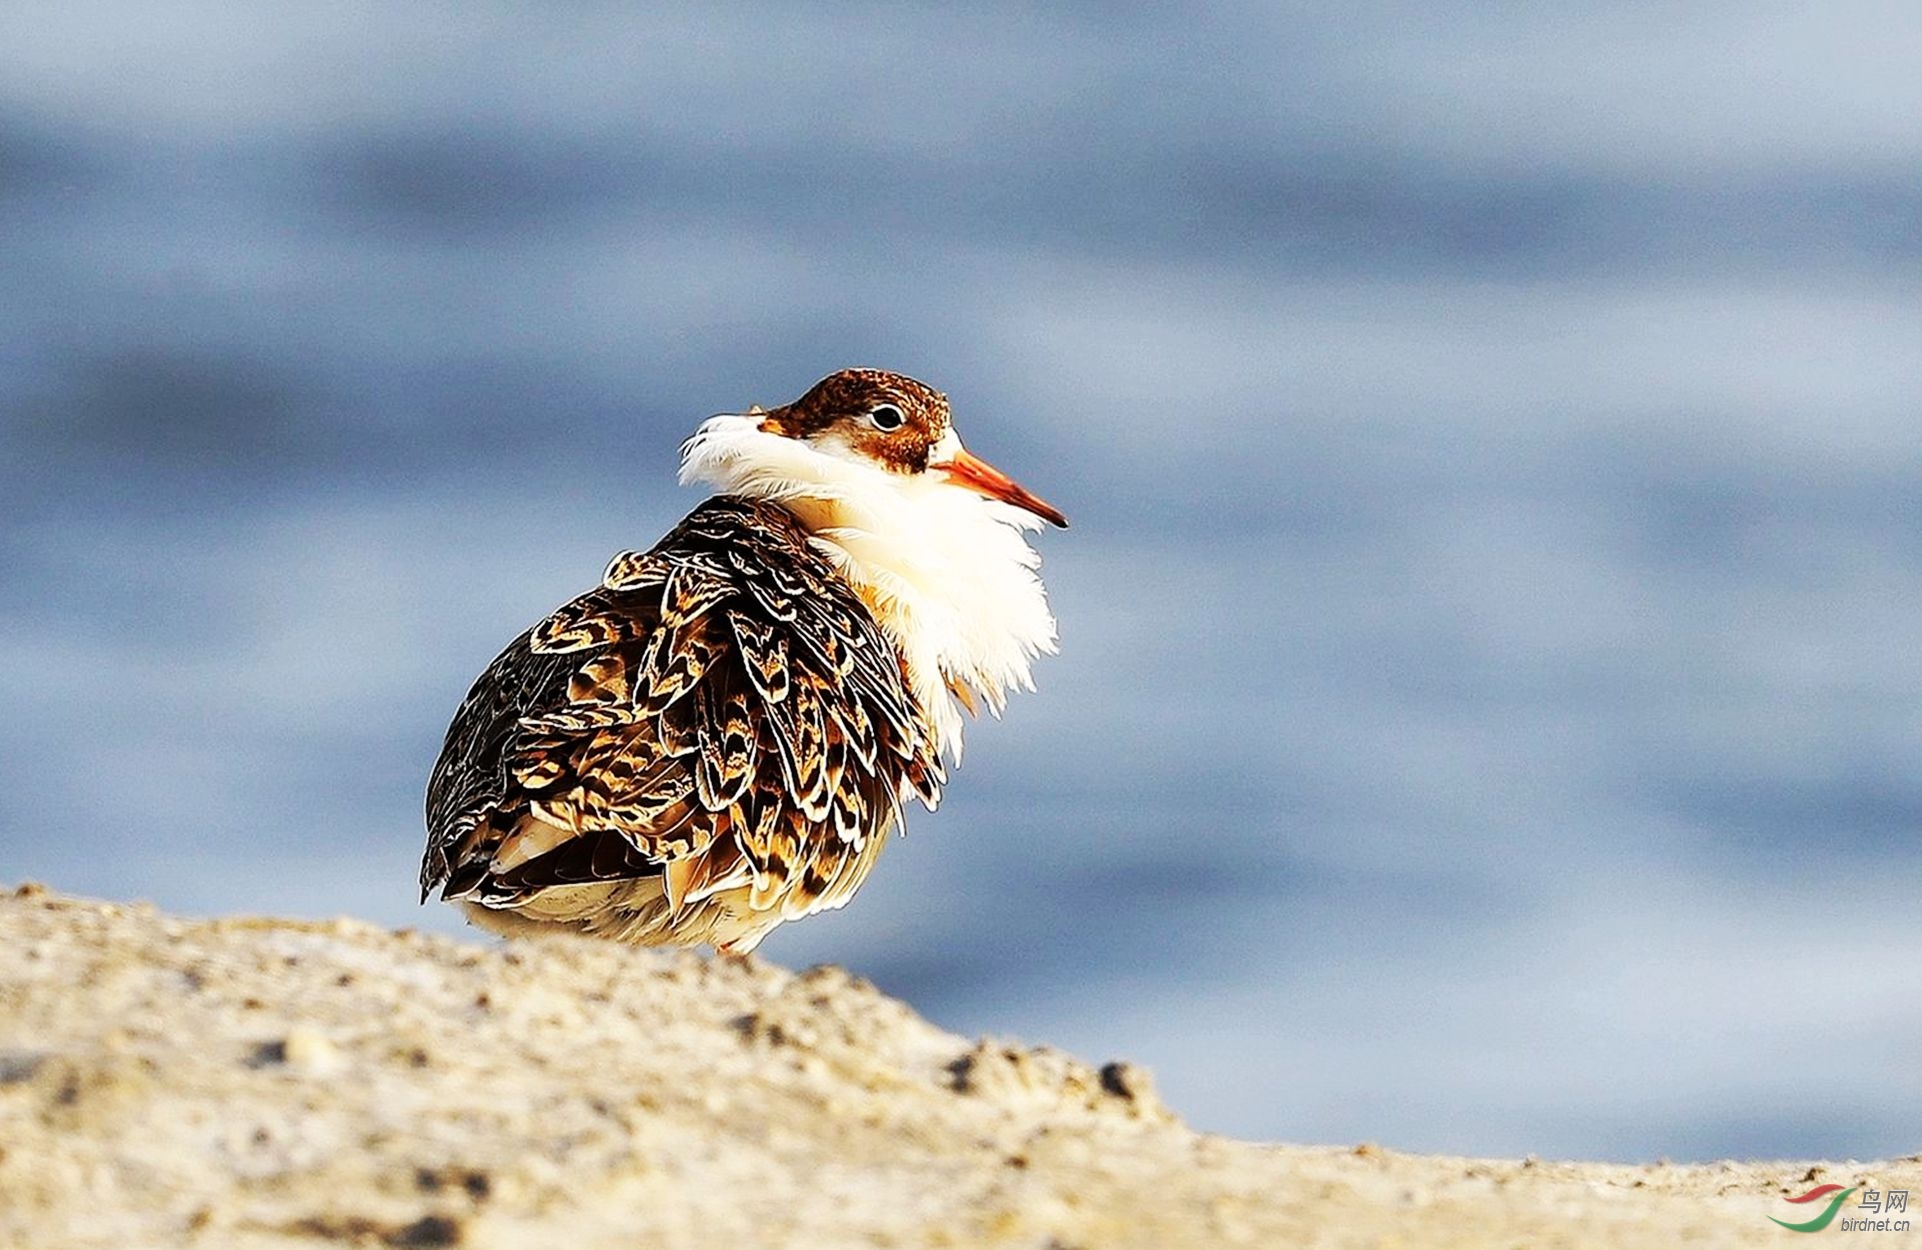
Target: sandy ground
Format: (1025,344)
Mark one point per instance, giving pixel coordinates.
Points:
(256,1083)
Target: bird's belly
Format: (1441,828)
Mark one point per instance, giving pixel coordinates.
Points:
(635,912)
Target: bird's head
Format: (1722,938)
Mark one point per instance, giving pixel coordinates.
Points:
(866,417)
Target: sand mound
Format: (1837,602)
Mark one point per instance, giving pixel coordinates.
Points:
(242,1083)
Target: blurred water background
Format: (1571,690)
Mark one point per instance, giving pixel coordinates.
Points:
(1490,693)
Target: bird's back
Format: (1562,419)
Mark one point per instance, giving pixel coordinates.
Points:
(715,739)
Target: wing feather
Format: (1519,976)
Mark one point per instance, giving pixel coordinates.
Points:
(722,712)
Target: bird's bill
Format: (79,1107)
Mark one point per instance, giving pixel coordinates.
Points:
(969,470)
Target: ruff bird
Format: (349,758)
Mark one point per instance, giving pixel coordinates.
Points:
(722,734)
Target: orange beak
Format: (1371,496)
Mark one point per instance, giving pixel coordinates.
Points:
(969,470)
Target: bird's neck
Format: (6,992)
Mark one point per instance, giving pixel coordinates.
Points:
(948,574)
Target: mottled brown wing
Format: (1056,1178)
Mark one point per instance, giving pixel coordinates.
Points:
(723,703)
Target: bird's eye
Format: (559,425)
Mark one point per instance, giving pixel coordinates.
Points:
(886,417)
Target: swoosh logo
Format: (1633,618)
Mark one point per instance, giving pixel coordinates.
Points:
(1823,1220)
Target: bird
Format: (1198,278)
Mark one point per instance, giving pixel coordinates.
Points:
(721,736)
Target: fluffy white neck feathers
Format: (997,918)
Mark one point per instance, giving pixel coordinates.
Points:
(948,573)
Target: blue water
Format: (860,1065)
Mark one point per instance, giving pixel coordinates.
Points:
(1490,694)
